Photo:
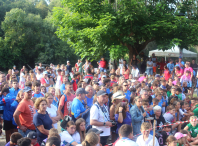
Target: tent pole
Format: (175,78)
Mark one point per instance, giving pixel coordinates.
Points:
(165,58)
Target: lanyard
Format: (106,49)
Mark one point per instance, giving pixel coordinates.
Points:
(104,114)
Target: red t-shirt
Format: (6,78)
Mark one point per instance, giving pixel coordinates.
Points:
(42,81)
(102,64)
(36,144)
(161,64)
(167,74)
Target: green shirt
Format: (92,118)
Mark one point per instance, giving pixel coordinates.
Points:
(179,145)
(193,130)
(195,111)
(168,93)
(179,96)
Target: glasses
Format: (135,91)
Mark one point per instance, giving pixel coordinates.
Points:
(125,85)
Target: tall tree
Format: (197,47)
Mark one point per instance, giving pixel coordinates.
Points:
(127,26)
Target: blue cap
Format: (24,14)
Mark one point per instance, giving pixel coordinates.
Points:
(180,57)
(26,89)
(101,92)
(81,91)
(45,72)
(157,76)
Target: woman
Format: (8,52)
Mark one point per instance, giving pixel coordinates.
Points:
(179,71)
(125,72)
(122,115)
(8,76)
(79,135)
(32,76)
(137,115)
(52,110)
(55,99)
(149,68)
(134,61)
(91,139)
(42,120)
(22,79)
(66,136)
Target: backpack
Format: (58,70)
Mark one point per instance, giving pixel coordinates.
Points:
(64,104)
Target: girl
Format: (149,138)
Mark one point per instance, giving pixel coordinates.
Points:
(91,139)
(149,69)
(8,76)
(43,89)
(125,72)
(186,78)
(167,74)
(171,141)
(79,135)
(180,138)
(179,71)
(66,136)
(55,100)
(22,79)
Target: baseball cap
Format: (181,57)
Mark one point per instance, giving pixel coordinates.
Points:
(14,66)
(32,135)
(180,57)
(68,61)
(95,131)
(81,91)
(66,119)
(96,83)
(26,89)
(157,76)
(86,80)
(101,92)
(118,95)
(103,76)
(45,72)
(179,135)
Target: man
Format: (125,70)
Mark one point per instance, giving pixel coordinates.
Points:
(99,117)
(102,79)
(89,75)
(77,108)
(95,86)
(6,101)
(181,63)
(89,95)
(15,89)
(45,81)
(170,66)
(24,113)
(62,87)
(39,75)
(107,83)
(125,136)
(193,65)
(65,103)
(126,91)
(69,67)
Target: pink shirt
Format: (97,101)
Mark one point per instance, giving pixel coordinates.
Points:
(180,71)
(141,78)
(190,69)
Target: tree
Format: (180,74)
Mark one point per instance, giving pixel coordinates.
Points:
(93,27)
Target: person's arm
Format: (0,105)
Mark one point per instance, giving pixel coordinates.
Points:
(112,113)
(43,130)
(16,119)
(96,123)
(120,116)
(60,107)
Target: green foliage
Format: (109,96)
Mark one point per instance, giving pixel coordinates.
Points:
(94,26)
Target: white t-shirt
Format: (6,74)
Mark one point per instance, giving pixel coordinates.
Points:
(22,79)
(76,137)
(150,63)
(38,77)
(120,63)
(135,72)
(58,82)
(140,141)
(53,113)
(66,138)
(97,114)
(125,142)
(181,113)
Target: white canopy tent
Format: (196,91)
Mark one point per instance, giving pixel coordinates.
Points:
(173,52)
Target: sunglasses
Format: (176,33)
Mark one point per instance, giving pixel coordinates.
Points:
(125,85)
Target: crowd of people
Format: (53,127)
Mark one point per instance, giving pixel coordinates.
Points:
(112,104)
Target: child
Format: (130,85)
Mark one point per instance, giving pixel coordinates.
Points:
(163,84)
(171,141)
(179,93)
(186,78)
(146,108)
(183,115)
(43,89)
(37,91)
(176,80)
(55,100)
(180,138)
(173,94)
(185,88)
(169,116)
(188,137)
(146,139)
(154,103)
(167,74)
(33,136)
(192,127)
(13,139)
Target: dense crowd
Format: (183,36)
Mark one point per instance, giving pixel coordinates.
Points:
(113,104)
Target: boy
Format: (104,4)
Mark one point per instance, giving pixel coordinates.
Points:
(169,116)
(13,139)
(163,135)
(146,107)
(33,136)
(173,95)
(125,134)
(192,127)
(37,91)
(163,84)
(154,103)
(14,90)
(179,93)
(183,115)
(146,139)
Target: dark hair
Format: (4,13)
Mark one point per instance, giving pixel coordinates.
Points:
(67,84)
(177,67)
(124,105)
(53,141)
(37,84)
(106,81)
(125,130)
(88,70)
(28,83)
(155,100)
(15,136)
(24,141)
(168,126)
(5,89)
(14,81)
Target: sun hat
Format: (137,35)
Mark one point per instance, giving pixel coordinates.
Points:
(179,135)
(118,95)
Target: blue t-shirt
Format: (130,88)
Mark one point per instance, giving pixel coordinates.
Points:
(89,101)
(170,66)
(128,94)
(42,119)
(13,108)
(108,91)
(62,88)
(127,121)
(77,107)
(55,103)
(38,95)
(14,92)
(8,144)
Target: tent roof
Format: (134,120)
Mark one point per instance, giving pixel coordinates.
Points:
(173,52)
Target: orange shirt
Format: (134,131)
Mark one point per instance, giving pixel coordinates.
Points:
(27,113)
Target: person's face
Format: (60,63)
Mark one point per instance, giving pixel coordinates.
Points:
(102,59)
(102,78)
(124,62)
(145,107)
(145,95)
(167,129)
(65,79)
(14,85)
(149,93)
(106,99)
(158,113)
(82,96)
(173,143)
(34,141)
(52,91)
(28,95)
(28,78)
(21,96)
(125,86)
(173,91)
(172,112)
(149,59)
(68,63)
(186,107)
(82,126)
(102,99)
(139,102)
(193,122)
(37,89)
(96,86)
(103,88)
(122,80)
(84,84)
(71,129)
(178,105)
(50,99)
(145,133)
(118,101)
(90,92)
(2,77)
(43,106)
(69,88)
(193,61)
(187,74)
(43,90)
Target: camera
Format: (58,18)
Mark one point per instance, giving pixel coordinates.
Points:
(113,122)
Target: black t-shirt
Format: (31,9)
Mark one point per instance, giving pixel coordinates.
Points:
(150,100)
(159,122)
(161,137)
(193,67)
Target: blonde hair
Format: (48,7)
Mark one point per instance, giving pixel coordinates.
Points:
(50,88)
(137,97)
(193,117)
(52,131)
(91,139)
(38,101)
(145,126)
(48,94)
(170,139)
